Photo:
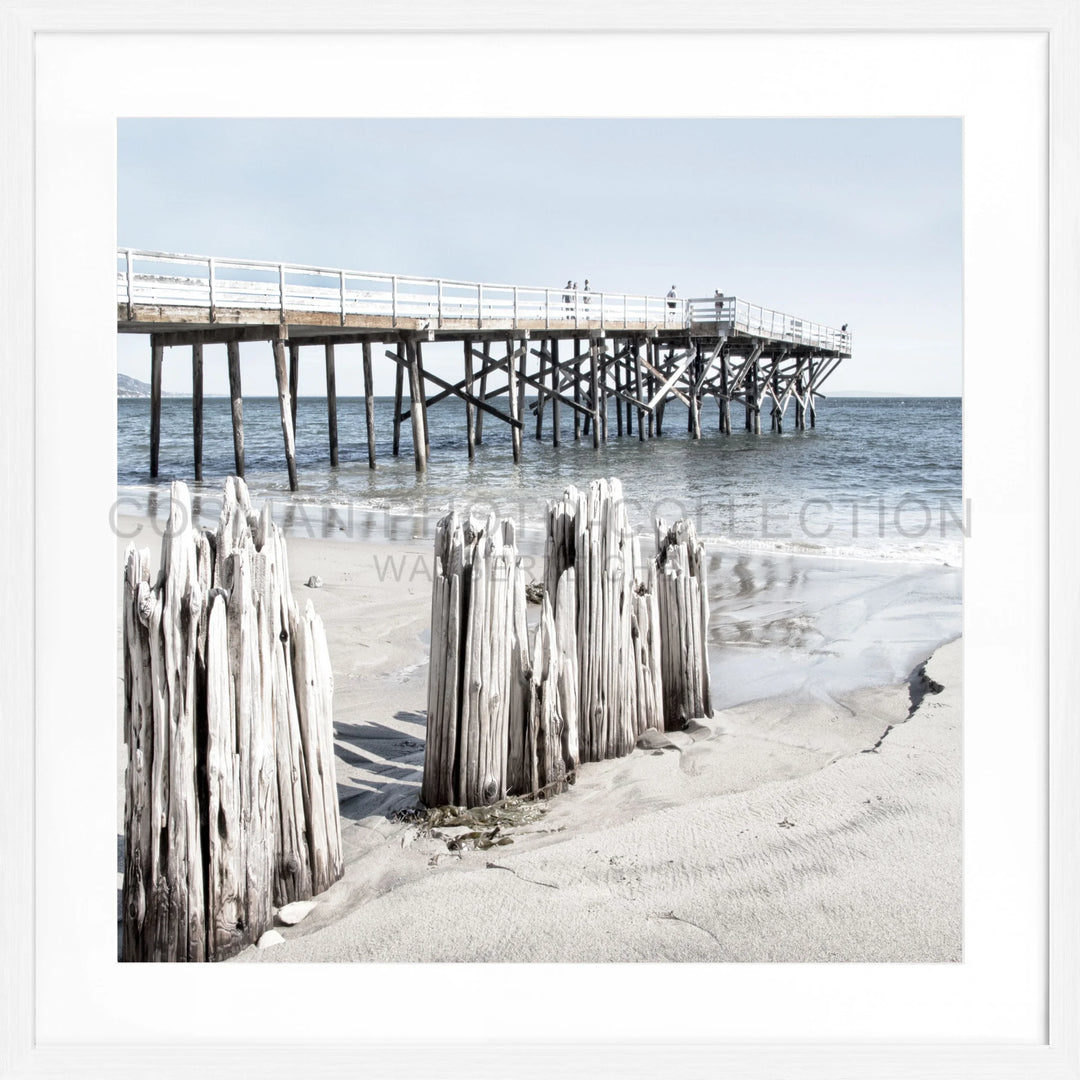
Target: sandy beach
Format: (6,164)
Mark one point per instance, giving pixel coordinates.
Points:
(823,829)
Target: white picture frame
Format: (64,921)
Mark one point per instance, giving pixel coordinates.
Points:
(21,1054)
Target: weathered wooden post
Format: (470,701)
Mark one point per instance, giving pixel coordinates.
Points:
(369,405)
(683,594)
(231,798)
(422,384)
(478,637)
(514,400)
(470,409)
(556,432)
(399,376)
(594,391)
(285,407)
(725,398)
(294,379)
(577,388)
(197,406)
(331,403)
(485,363)
(416,409)
(237,401)
(157,352)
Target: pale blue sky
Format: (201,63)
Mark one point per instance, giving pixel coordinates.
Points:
(835,221)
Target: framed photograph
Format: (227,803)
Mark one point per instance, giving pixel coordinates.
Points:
(877,787)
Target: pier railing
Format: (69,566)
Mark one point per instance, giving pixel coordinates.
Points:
(732,314)
(169,280)
(164,279)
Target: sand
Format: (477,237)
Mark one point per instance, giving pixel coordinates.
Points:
(776,831)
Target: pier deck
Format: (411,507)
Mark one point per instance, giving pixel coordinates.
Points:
(640,350)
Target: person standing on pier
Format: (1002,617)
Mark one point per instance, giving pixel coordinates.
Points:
(566,298)
(586,292)
(671,299)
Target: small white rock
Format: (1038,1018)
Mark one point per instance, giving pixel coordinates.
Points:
(271,937)
(292,913)
(314,582)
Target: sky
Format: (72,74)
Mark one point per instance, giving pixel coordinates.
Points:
(833,221)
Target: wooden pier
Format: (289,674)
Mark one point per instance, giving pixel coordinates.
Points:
(567,348)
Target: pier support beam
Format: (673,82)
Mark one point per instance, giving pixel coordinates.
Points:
(486,363)
(555,376)
(594,391)
(331,404)
(618,398)
(423,398)
(470,411)
(577,388)
(810,396)
(285,405)
(724,400)
(800,411)
(157,351)
(197,406)
(399,377)
(237,401)
(540,391)
(294,379)
(639,390)
(416,408)
(369,405)
(514,400)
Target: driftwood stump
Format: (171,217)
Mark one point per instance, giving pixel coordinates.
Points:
(231,804)
(621,646)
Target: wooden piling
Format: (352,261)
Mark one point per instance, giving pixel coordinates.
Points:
(369,404)
(724,400)
(331,403)
(799,409)
(157,352)
(197,406)
(594,391)
(540,391)
(811,408)
(556,375)
(285,406)
(423,398)
(603,356)
(514,401)
(294,379)
(639,389)
(577,388)
(416,410)
(399,376)
(470,411)
(231,797)
(237,401)
(523,371)
(683,594)
(486,363)
(618,398)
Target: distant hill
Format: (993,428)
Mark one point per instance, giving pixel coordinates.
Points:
(127,387)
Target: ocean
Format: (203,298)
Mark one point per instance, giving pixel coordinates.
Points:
(835,553)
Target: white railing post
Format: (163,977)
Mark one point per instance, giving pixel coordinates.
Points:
(210,264)
(281,289)
(341,291)
(393,300)
(624,311)
(440,304)
(130,305)
(515,307)
(547,308)
(479,306)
